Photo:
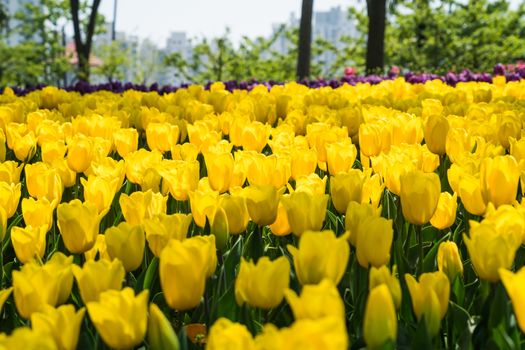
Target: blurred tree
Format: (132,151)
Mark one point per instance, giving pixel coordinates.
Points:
(83,39)
(455,35)
(114,59)
(305,40)
(376,10)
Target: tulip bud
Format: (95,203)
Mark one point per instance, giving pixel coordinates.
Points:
(380,320)
(262,202)
(374,241)
(161,335)
(340,156)
(346,187)
(234,206)
(281,226)
(99,191)
(29,242)
(311,262)
(53,150)
(305,211)
(78,224)
(445,214)
(356,214)
(186,263)
(98,276)
(436,129)
(419,196)
(38,212)
(9,197)
(43,181)
(220,170)
(27,338)
(4,294)
(303,162)
(449,260)
(63,323)
(470,193)
(126,141)
(201,202)
(79,154)
(499,178)
(126,243)
(10,172)
(120,317)
(3,224)
(262,284)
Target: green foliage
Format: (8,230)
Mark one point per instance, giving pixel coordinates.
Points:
(439,36)
(114,59)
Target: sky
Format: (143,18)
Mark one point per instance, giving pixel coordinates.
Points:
(155,19)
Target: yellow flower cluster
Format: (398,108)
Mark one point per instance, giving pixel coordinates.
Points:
(114,203)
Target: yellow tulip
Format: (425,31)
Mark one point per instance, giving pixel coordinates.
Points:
(138,162)
(340,156)
(281,225)
(22,142)
(382,275)
(436,129)
(303,162)
(9,197)
(419,196)
(262,284)
(140,206)
(126,141)
(35,286)
(430,298)
(316,301)
(514,283)
(78,224)
(225,334)
(67,176)
(458,143)
(126,242)
(374,241)
(43,181)
(445,214)
(162,136)
(449,260)
(499,178)
(38,212)
(234,206)
(10,172)
(28,339)
(491,249)
(161,335)
(220,170)
(262,202)
(328,333)
(120,317)
(346,187)
(99,191)
(305,211)
(311,262)
(29,242)
(255,136)
(79,153)
(63,323)
(98,276)
(311,184)
(380,320)
(186,263)
(201,202)
(470,193)
(53,150)
(356,214)
(509,125)
(370,139)
(162,228)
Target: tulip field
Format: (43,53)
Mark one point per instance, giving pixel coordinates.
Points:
(378,216)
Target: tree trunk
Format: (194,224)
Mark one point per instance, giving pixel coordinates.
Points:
(83,47)
(305,40)
(375,49)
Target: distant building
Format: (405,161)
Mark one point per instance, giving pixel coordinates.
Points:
(176,42)
(328,25)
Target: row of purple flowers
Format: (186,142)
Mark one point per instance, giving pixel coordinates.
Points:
(451,78)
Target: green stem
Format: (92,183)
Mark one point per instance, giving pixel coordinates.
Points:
(420,248)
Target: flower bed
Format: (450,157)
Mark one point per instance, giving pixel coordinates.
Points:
(271,216)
